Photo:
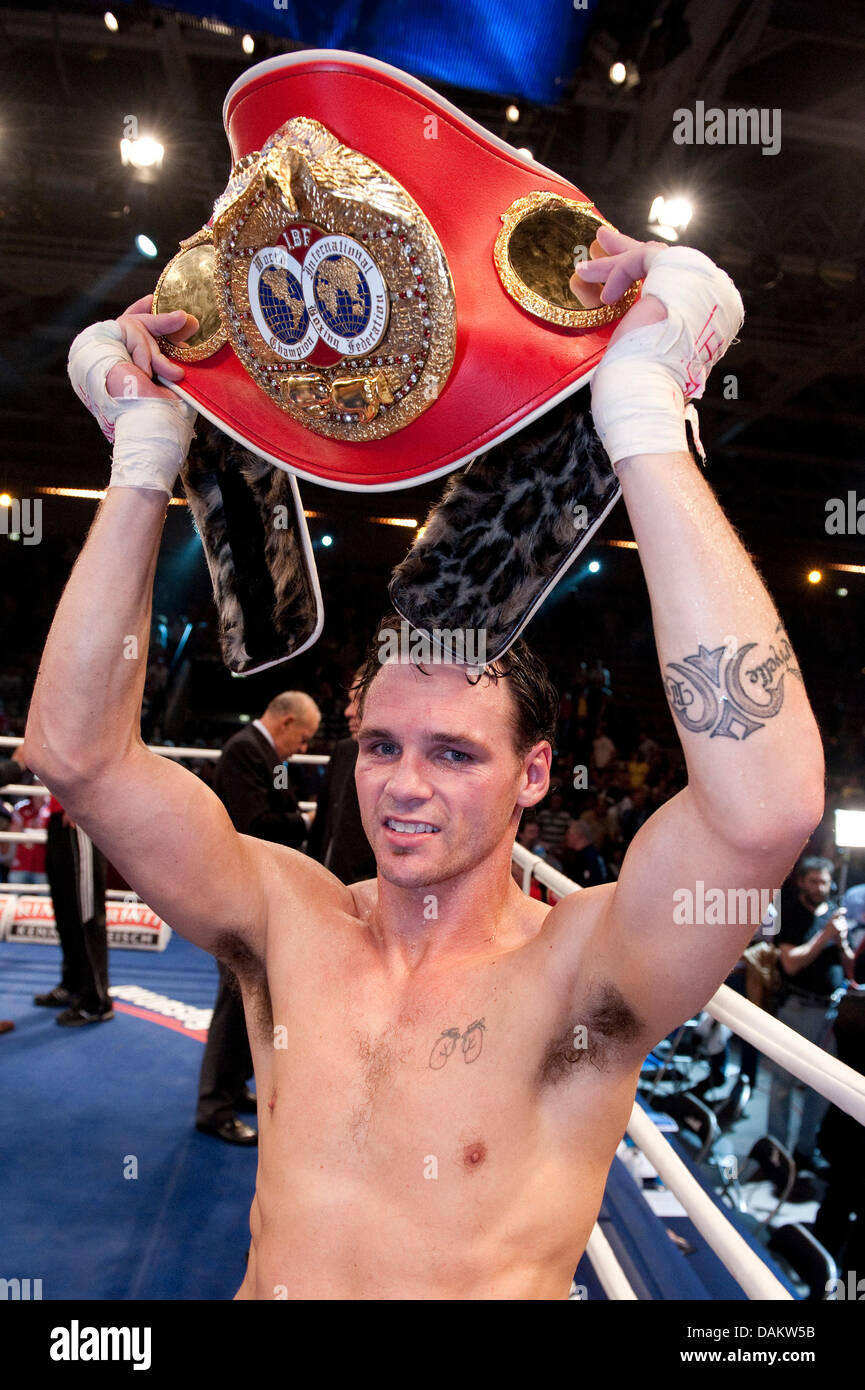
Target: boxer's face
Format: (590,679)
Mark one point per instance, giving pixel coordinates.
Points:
(439,779)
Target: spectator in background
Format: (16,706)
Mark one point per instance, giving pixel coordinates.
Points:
(529,836)
(553,818)
(596,820)
(813,952)
(638,771)
(76,876)
(260,802)
(28,861)
(840,1222)
(337,838)
(10,771)
(579,859)
(646,747)
(636,815)
(597,691)
(7,847)
(603,749)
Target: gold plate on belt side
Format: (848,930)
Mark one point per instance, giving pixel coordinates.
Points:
(306,178)
(187,282)
(534,254)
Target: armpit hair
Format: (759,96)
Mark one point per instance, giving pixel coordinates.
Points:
(247,967)
(610,1025)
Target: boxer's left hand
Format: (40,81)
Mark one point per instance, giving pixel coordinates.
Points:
(111,367)
(618,262)
(140,329)
(661,354)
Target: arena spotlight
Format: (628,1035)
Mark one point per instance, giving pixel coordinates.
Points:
(814,577)
(143,153)
(327,540)
(594,566)
(850,829)
(145,246)
(669,216)
(110,21)
(842,593)
(618,74)
(5,499)
(512,114)
(248,44)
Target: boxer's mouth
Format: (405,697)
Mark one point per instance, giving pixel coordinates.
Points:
(410,827)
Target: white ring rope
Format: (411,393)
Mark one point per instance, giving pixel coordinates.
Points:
(40,837)
(818,1069)
(166,752)
(544,872)
(611,1276)
(803,1059)
(118,895)
(732,1250)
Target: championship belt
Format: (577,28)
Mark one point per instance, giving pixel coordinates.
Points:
(382,295)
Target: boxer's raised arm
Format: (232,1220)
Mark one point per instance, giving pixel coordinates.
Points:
(161,827)
(752,746)
(164,830)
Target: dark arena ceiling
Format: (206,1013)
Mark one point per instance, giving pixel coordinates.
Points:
(783,422)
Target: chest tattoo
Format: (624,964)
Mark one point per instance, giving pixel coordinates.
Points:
(472,1044)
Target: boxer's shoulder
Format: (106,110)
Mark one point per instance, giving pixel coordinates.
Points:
(295,883)
(579,916)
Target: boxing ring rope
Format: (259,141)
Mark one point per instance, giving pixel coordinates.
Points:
(732,1249)
(168,751)
(803,1059)
(115,895)
(611,1276)
(38,837)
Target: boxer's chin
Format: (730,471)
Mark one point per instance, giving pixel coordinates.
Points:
(412,873)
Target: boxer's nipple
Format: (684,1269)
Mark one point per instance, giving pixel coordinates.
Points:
(474,1154)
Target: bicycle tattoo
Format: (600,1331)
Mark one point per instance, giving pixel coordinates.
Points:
(472,1040)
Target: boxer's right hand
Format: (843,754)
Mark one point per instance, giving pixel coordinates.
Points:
(111,367)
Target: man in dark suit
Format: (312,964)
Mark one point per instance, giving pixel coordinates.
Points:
(252,783)
(10,771)
(337,839)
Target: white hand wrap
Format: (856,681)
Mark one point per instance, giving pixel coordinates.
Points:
(641,388)
(151,436)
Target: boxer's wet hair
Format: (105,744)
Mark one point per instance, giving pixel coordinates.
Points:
(534,698)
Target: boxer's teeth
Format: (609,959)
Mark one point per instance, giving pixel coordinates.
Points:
(410,827)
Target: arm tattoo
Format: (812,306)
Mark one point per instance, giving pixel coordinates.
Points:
(472,1041)
(730,696)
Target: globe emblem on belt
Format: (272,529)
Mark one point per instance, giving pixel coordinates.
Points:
(342,296)
(280,298)
(315,291)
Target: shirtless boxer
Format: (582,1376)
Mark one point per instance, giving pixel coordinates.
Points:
(445,1065)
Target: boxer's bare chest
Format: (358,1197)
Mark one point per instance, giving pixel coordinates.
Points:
(462,1065)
